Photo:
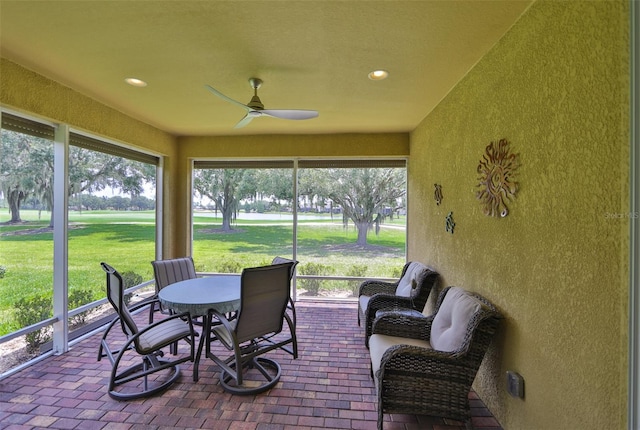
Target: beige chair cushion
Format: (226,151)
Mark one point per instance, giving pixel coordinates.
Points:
(379,343)
(408,281)
(364,302)
(449,326)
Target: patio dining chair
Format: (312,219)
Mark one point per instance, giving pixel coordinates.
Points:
(153,373)
(291,306)
(168,272)
(257,329)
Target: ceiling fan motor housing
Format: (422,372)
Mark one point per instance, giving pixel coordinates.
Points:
(255,103)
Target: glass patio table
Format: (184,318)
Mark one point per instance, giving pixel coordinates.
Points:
(200,295)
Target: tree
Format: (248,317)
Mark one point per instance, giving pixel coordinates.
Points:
(91,171)
(225,187)
(26,169)
(275,184)
(366,195)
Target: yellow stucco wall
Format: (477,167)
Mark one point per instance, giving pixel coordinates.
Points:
(556,86)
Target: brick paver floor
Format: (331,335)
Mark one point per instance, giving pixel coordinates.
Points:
(327,387)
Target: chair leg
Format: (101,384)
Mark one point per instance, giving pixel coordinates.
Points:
(152,309)
(150,364)
(231,379)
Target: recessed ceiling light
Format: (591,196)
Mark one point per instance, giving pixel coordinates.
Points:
(378,75)
(136,82)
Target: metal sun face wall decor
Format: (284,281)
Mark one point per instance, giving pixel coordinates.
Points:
(496,185)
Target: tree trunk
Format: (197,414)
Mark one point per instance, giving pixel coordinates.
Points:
(15,199)
(49,198)
(227,217)
(363,229)
(226,223)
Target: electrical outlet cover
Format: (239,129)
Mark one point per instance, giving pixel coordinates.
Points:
(515,384)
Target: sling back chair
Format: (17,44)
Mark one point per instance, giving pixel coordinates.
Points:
(426,364)
(168,272)
(258,329)
(154,373)
(411,291)
(291,306)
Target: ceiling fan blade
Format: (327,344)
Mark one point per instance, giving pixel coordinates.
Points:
(290,113)
(246,119)
(223,97)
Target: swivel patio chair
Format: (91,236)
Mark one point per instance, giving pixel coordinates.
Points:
(411,291)
(258,329)
(426,365)
(291,306)
(168,272)
(153,373)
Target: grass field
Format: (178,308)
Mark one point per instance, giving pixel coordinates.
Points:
(126,240)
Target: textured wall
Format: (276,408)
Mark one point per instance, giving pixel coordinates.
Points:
(318,145)
(556,86)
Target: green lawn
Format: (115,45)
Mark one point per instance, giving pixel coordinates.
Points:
(126,241)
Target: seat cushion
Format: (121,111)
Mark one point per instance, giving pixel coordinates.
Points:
(450,324)
(364,302)
(379,343)
(163,334)
(408,282)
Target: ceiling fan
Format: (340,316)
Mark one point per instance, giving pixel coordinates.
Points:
(255,108)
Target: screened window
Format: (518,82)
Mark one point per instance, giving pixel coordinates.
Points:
(26,228)
(242,214)
(112,216)
(343,220)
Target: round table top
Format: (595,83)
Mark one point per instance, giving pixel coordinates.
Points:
(197,296)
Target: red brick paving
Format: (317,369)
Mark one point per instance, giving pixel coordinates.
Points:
(327,387)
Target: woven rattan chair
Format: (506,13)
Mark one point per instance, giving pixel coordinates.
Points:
(167,272)
(426,365)
(258,329)
(411,291)
(153,373)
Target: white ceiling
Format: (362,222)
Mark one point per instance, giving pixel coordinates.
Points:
(310,55)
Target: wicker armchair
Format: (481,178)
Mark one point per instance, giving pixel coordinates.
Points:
(411,291)
(426,364)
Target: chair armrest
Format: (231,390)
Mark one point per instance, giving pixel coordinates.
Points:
(371,287)
(419,360)
(401,312)
(403,324)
